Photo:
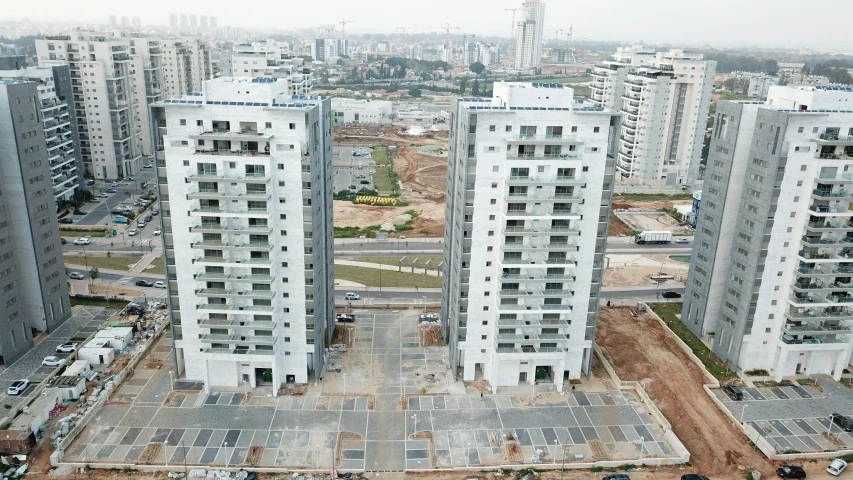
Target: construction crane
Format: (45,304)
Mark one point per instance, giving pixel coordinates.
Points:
(512,30)
(447,28)
(571,50)
(344,26)
(403,29)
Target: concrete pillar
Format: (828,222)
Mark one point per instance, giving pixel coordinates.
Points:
(780,365)
(206,376)
(275,380)
(840,364)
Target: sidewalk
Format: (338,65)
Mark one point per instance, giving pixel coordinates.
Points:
(389,268)
(154,276)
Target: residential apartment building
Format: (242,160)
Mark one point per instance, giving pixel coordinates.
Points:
(59,122)
(528,34)
(105,88)
(664,98)
(247,218)
(528,200)
(327,49)
(33,294)
(270,58)
(186,65)
(771,278)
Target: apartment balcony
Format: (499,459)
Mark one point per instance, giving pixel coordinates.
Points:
(233,293)
(544,138)
(118,105)
(231,275)
(816,327)
(537,244)
(547,179)
(829,211)
(826,226)
(827,193)
(231,153)
(524,322)
(227,210)
(540,195)
(543,211)
(813,241)
(230,307)
(233,324)
(530,260)
(530,337)
(237,339)
(535,307)
(221,134)
(541,230)
(237,351)
(839,178)
(225,193)
(196,176)
(821,315)
(528,349)
(229,260)
(822,342)
(833,139)
(228,227)
(535,293)
(544,156)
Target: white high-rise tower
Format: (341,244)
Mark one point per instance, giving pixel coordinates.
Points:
(528,34)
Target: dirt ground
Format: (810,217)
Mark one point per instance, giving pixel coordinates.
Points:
(424,185)
(107,290)
(618,227)
(430,336)
(389,135)
(640,349)
(638,274)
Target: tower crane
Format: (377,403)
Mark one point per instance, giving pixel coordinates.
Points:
(403,29)
(447,28)
(344,23)
(512,30)
(557,32)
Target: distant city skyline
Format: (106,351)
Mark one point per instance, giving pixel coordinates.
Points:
(723,23)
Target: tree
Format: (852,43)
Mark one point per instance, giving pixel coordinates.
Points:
(477,68)
(94,274)
(475,89)
(414,92)
(463,84)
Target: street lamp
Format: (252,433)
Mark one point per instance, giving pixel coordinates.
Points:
(171,381)
(226,454)
(345,384)
(741,412)
(556,442)
(467,446)
(563,466)
(166,452)
(415,418)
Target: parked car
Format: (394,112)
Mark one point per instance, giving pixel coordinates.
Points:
(836,467)
(671,295)
(365,182)
(148,218)
(693,476)
(616,476)
(144,283)
(148,165)
(66,221)
(132,232)
(352,296)
(103,195)
(842,421)
(82,241)
(51,361)
(94,200)
(90,183)
(120,220)
(67,347)
(18,387)
(76,276)
(159,284)
(129,179)
(155,212)
(791,471)
(345,318)
(140,224)
(80,212)
(110,190)
(62,240)
(158,231)
(733,391)
(682,240)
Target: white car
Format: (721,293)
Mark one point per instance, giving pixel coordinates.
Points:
(836,467)
(140,224)
(352,296)
(104,195)
(682,240)
(132,232)
(51,361)
(18,387)
(67,347)
(159,284)
(158,231)
(82,241)
(76,276)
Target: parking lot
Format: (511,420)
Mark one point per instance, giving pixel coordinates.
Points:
(83,323)
(370,410)
(347,172)
(796,418)
(98,213)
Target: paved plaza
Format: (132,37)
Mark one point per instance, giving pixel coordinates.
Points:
(795,418)
(367,414)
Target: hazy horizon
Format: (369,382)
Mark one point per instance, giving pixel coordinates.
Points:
(724,23)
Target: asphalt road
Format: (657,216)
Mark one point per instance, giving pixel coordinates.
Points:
(99,213)
(418,297)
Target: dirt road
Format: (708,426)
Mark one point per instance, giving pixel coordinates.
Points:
(641,350)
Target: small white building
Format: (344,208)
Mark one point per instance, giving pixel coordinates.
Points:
(37,412)
(348,110)
(70,388)
(119,337)
(98,351)
(760,86)
(77,369)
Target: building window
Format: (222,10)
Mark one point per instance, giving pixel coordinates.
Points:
(183,121)
(509,128)
(293,126)
(596,129)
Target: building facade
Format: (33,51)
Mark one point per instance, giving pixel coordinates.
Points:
(771,280)
(270,58)
(59,122)
(33,294)
(186,63)
(528,34)
(347,110)
(328,49)
(529,191)
(247,218)
(664,99)
(104,93)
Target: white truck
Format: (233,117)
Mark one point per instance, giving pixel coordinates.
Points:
(653,236)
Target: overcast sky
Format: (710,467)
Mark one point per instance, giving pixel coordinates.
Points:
(765,23)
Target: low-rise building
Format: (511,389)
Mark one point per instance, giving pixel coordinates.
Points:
(346,110)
